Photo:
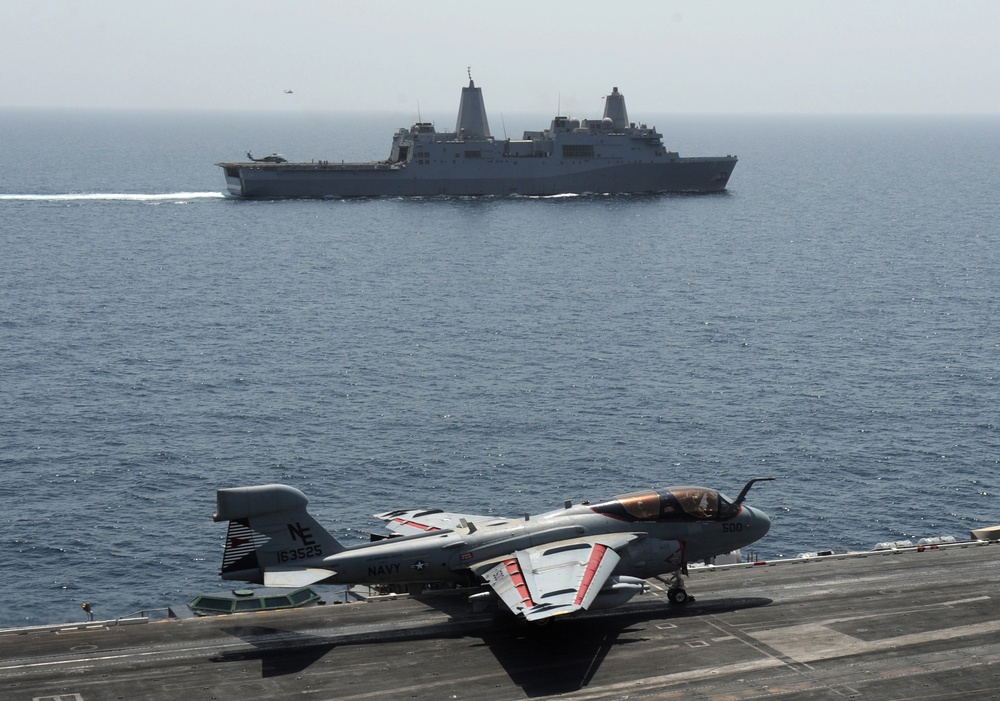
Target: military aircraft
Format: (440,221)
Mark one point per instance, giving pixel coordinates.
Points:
(585,556)
(273,158)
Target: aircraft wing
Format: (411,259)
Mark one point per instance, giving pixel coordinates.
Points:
(293,578)
(556,578)
(410,522)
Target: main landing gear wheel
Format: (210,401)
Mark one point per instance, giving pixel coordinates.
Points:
(678,596)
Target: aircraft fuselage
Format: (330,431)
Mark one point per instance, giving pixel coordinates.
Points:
(448,555)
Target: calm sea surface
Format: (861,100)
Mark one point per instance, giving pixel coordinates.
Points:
(832,320)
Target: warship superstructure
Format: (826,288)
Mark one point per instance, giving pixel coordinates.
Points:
(607,155)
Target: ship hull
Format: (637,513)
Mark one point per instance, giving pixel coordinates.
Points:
(512,176)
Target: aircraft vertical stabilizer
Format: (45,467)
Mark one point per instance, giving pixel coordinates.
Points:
(269,529)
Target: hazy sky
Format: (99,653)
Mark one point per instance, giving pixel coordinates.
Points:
(701,56)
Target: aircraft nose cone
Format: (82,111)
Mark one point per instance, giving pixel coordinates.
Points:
(761,522)
(765,521)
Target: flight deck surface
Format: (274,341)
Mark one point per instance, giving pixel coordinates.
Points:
(889,625)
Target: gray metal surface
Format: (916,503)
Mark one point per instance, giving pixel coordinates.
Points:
(895,625)
(609,155)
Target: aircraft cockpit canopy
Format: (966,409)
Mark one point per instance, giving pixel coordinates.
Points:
(670,505)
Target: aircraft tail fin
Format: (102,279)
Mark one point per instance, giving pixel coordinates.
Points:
(270,530)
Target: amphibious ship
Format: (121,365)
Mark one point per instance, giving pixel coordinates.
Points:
(607,155)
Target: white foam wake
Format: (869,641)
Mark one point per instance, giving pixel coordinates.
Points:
(122,196)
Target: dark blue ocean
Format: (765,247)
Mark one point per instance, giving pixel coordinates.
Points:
(832,320)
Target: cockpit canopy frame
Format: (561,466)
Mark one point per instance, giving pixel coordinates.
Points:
(675,504)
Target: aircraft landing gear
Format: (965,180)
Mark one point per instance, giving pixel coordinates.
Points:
(676,593)
(678,596)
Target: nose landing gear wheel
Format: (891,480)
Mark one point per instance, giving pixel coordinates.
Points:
(678,596)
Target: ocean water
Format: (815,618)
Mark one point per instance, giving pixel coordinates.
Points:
(831,320)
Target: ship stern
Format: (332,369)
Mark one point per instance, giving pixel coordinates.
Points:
(234,181)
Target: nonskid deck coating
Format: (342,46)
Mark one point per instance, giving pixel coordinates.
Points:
(891,625)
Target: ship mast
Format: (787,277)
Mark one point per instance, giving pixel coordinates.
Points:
(614,109)
(472,122)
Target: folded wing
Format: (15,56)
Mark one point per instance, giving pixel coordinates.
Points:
(557,578)
(413,521)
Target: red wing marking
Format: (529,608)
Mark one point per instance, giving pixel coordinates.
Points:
(414,524)
(517,579)
(588,575)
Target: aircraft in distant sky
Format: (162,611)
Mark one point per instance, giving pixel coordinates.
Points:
(288,92)
(586,556)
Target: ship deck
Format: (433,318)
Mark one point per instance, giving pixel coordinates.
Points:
(891,625)
(314,165)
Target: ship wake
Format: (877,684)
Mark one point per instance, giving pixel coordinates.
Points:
(114,196)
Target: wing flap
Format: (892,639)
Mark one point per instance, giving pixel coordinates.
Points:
(507,581)
(558,578)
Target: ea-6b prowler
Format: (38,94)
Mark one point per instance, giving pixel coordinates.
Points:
(579,557)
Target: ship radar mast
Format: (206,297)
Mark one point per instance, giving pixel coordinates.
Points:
(472,122)
(614,109)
